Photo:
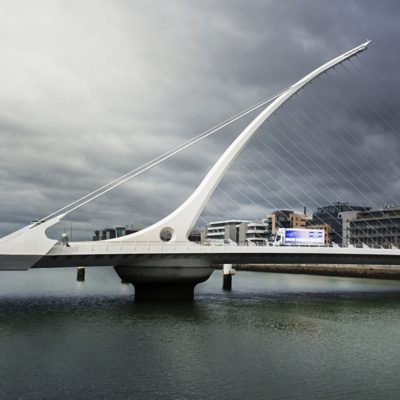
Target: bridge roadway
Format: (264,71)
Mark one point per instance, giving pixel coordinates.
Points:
(138,253)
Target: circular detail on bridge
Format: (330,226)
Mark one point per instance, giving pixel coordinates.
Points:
(166,234)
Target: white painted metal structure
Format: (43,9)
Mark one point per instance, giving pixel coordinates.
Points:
(21,249)
(181,221)
(24,247)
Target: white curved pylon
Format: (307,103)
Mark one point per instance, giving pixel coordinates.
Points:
(181,221)
(29,243)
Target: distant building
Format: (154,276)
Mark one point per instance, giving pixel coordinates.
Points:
(121,231)
(330,215)
(238,231)
(347,217)
(111,233)
(255,232)
(374,227)
(286,219)
(224,230)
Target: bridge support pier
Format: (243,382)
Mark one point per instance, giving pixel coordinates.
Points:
(165,279)
(80,274)
(227,273)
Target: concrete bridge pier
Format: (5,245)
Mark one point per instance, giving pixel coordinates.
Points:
(227,271)
(165,278)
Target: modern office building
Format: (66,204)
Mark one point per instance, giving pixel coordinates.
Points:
(330,215)
(347,217)
(239,231)
(253,232)
(374,227)
(223,230)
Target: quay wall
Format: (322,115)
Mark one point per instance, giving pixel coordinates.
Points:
(347,270)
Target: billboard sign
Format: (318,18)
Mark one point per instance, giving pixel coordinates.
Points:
(305,236)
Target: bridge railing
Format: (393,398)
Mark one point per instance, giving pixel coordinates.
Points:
(124,247)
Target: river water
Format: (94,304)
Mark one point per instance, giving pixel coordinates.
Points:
(275,336)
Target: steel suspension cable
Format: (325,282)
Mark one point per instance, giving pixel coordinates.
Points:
(150,164)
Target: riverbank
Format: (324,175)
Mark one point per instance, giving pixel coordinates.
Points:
(346,270)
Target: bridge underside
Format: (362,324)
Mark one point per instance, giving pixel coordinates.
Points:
(166,278)
(52,261)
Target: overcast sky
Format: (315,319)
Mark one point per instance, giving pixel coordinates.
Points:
(92,89)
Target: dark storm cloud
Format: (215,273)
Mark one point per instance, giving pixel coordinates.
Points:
(92,89)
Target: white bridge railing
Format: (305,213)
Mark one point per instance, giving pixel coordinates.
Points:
(138,247)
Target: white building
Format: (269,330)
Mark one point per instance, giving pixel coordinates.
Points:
(239,231)
(254,232)
(223,230)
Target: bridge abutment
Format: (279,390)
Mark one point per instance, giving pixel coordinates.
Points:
(165,279)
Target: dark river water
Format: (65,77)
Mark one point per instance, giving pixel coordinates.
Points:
(274,336)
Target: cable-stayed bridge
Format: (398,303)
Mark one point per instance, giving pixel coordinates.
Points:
(160,260)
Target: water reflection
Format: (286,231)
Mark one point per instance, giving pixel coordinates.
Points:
(274,336)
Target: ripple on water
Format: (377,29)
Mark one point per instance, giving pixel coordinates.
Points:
(274,336)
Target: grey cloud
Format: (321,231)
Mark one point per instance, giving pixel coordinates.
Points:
(91,90)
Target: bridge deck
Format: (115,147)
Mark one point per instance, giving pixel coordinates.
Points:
(131,253)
